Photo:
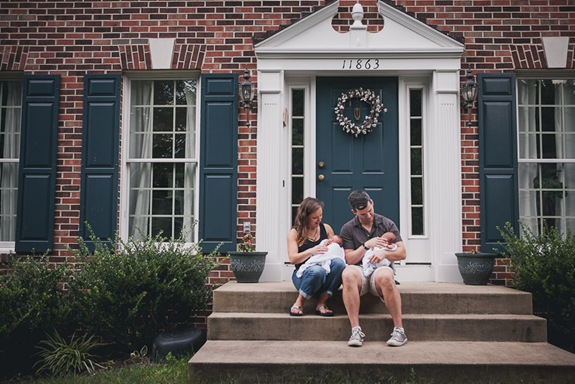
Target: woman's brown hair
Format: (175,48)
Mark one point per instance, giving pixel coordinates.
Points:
(308,206)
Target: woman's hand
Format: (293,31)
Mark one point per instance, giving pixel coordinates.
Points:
(320,248)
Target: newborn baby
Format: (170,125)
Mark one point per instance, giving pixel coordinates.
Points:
(369,267)
(334,249)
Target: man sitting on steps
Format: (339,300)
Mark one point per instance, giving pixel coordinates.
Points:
(360,234)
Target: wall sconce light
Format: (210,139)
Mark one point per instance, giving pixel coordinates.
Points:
(247,90)
(468,94)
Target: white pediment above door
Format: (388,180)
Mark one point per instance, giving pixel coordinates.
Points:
(400,35)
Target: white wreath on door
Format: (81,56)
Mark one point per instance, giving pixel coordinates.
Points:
(369,121)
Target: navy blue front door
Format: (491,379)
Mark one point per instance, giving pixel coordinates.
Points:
(345,162)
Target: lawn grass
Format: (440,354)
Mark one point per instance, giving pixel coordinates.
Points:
(175,371)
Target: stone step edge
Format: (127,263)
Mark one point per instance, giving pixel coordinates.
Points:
(378,353)
(441,362)
(405,316)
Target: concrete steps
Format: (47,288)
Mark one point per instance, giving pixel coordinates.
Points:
(457,333)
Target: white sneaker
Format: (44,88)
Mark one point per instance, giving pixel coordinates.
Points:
(398,337)
(356,339)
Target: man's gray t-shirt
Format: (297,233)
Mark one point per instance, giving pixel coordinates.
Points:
(354,234)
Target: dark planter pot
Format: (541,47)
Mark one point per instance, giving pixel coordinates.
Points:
(247,266)
(475,268)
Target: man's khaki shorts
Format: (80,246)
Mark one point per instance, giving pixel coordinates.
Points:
(368,283)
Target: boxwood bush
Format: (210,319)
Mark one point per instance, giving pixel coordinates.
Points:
(128,293)
(544,265)
(123,294)
(32,303)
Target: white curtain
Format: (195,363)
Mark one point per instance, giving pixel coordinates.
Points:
(10,99)
(527,92)
(190,88)
(140,148)
(565,144)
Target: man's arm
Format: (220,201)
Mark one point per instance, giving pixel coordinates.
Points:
(397,255)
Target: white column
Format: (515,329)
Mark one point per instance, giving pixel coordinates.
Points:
(445,178)
(271,162)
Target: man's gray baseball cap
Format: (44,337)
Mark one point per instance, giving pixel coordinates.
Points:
(358,199)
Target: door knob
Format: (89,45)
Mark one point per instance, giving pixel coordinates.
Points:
(321,164)
(321,177)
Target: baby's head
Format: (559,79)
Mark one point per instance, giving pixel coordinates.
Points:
(337,239)
(389,236)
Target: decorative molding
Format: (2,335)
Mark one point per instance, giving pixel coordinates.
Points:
(162,52)
(555,49)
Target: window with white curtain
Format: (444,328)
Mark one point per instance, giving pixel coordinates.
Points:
(162,158)
(10,118)
(546,134)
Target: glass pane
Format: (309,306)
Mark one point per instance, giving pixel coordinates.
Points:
(417,221)
(416,191)
(297,132)
(162,146)
(162,224)
(163,92)
(416,166)
(180,146)
(162,174)
(297,190)
(179,202)
(180,176)
(181,88)
(181,119)
(415,132)
(161,202)
(8,201)
(415,102)
(297,161)
(178,226)
(163,119)
(297,102)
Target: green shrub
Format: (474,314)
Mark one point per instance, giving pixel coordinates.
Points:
(129,296)
(32,302)
(59,357)
(544,265)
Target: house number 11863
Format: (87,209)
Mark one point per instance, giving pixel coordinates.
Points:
(360,64)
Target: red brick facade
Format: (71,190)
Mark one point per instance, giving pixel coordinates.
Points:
(72,38)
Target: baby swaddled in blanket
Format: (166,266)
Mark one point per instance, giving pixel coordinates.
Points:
(334,249)
(368,266)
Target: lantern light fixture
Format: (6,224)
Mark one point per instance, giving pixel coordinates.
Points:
(247,90)
(468,94)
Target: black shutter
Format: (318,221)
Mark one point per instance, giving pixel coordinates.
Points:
(497,157)
(37,174)
(218,162)
(100,147)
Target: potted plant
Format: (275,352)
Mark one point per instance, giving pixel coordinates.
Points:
(247,263)
(475,267)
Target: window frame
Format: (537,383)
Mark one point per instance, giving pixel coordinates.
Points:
(129,78)
(539,216)
(9,246)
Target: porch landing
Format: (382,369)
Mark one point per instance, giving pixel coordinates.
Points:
(457,333)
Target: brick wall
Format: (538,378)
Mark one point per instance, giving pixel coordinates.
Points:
(75,38)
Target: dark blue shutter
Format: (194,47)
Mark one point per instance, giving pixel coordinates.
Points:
(100,147)
(218,162)
(497,157)
(37,174)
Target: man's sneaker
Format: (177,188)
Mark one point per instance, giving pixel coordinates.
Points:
(356,339)
(398,338)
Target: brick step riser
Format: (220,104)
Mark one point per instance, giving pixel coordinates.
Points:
(412,303)
(377,327)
